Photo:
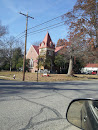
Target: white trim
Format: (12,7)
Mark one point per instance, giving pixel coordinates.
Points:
(31,62)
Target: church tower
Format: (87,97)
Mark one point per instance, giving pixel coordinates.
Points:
(47,46)
(47,49)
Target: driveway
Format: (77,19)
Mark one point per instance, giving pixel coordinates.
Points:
(40,106)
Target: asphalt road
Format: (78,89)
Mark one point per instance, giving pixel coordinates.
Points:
(40,106)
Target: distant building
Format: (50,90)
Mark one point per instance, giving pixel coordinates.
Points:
(89,68)
(57,49)
(46,48)
(32,55)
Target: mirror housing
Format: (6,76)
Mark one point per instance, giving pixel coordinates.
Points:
(83,113)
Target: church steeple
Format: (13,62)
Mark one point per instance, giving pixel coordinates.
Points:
(47,42)
(47,50)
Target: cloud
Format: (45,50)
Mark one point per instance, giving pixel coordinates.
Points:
(10,11)
(10,5)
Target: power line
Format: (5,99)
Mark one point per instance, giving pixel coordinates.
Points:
(20,37)
(40,30)
(43,29)
(41,24)
(46,27)
(45,22)
(20,34)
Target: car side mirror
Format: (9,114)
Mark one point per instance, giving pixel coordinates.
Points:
(83,113)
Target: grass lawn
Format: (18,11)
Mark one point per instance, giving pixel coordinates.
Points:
(52,77)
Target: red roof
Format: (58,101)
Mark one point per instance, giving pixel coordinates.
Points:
(92,65)
(36,48)
(36,61)
(47,42)
(47,39)
(58,48)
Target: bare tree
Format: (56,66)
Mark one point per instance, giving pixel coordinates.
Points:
(3,31)
(9,45)
(83,28)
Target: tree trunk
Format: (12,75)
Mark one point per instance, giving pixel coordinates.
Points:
(70,69)
(10,66)
(51,65)
(97,37)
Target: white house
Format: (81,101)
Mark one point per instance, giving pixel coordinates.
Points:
(89,68)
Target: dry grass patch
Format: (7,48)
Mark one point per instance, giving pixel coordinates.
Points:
(52,77)
(87,76)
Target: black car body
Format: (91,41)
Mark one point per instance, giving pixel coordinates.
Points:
(89,115)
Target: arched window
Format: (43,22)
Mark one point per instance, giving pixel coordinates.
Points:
(42,44)
(31,63)
(51,44)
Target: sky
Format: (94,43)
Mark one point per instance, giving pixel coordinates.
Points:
(42,11)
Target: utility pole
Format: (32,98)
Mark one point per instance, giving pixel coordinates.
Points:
(24,60)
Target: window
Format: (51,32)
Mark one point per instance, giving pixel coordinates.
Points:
(51,45)
(50,53)
(31,63)
(42,44)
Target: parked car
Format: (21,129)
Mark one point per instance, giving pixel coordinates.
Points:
(94,72)
(88,72)
(45,71)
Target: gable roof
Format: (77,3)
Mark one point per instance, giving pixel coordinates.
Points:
(92,65)
(36,48)
(47,42)
(47,39)
(58,48)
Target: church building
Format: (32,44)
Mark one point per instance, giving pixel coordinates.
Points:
(46,49)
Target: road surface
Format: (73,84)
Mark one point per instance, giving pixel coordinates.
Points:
(40,106)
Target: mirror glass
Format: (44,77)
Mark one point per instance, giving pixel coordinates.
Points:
(83,114)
